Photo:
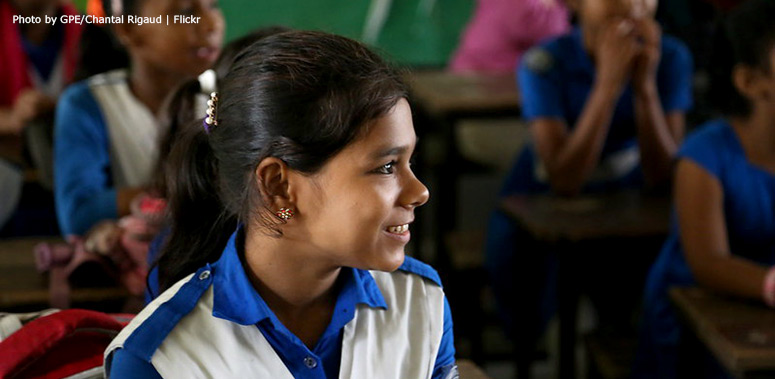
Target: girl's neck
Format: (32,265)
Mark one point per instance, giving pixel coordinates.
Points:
(301,292)
(151,85)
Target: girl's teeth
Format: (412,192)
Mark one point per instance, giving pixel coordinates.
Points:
(398,229)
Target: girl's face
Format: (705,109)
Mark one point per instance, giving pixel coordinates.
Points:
(358,208)
(182,49)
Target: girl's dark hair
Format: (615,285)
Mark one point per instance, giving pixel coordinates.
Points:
(182,105)
(231,50)
(746,37)
(181,108)
(298,96)
(99,48)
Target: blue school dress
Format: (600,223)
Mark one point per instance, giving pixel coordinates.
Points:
(749,214)
(214,324)
(555,80)
(105,139)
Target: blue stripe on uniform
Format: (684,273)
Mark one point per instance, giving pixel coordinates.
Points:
(149,335)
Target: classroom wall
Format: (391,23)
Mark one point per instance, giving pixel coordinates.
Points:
(415,32)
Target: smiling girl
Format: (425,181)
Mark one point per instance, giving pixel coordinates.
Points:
(291,210)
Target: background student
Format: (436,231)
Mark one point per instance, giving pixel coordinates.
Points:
(723,229)
(38,60)
(106,127)
(605,104)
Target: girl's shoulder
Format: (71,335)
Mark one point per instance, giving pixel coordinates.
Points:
(711,137)
(146,332)
(713,146)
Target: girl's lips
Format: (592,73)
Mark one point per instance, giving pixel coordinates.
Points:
(404,237)
(399,232)
(207,53)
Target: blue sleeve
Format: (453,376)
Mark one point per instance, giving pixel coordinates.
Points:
(705,147)
(540,85)
(445,360)
(82,182)
(126,365)
(675,76)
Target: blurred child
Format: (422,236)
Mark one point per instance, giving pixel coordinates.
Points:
(306,149)
(38,60)
(723,229)
(606,106)
(106,127)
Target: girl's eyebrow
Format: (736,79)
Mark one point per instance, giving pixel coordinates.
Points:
(394,150)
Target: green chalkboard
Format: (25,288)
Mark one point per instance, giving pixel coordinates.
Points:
(414,32)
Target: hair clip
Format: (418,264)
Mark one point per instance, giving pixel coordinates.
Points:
(211,120)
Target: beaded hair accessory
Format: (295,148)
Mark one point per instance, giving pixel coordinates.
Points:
(211,120)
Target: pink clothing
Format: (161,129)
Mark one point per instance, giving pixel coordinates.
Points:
(501,30)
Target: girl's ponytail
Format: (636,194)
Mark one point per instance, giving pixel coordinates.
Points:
(199,226)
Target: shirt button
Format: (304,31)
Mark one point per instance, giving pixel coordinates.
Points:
(204,275)
(310,362)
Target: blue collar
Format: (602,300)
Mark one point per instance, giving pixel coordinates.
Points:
(235,299)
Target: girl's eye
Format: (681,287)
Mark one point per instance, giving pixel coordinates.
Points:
(387,168)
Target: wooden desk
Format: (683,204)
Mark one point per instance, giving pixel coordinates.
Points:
(443,93)
(469,370)
(22,285)
(564,222)
(622,214)
(439,100)
(740,334)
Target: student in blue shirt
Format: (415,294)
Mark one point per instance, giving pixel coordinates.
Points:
(106,129)
(722,235)
(290,212)
(605,105)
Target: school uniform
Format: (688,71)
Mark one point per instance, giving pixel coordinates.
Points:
(104,139)
(555,80)
(214,324)
(749,215)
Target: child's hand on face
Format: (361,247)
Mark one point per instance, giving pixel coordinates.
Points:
(649,37)
(615,52)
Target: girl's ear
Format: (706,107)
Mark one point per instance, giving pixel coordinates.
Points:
(751,82)
(272,179)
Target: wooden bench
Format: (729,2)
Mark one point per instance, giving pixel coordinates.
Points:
(23,287)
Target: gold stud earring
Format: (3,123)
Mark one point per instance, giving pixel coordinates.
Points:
(284,214)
